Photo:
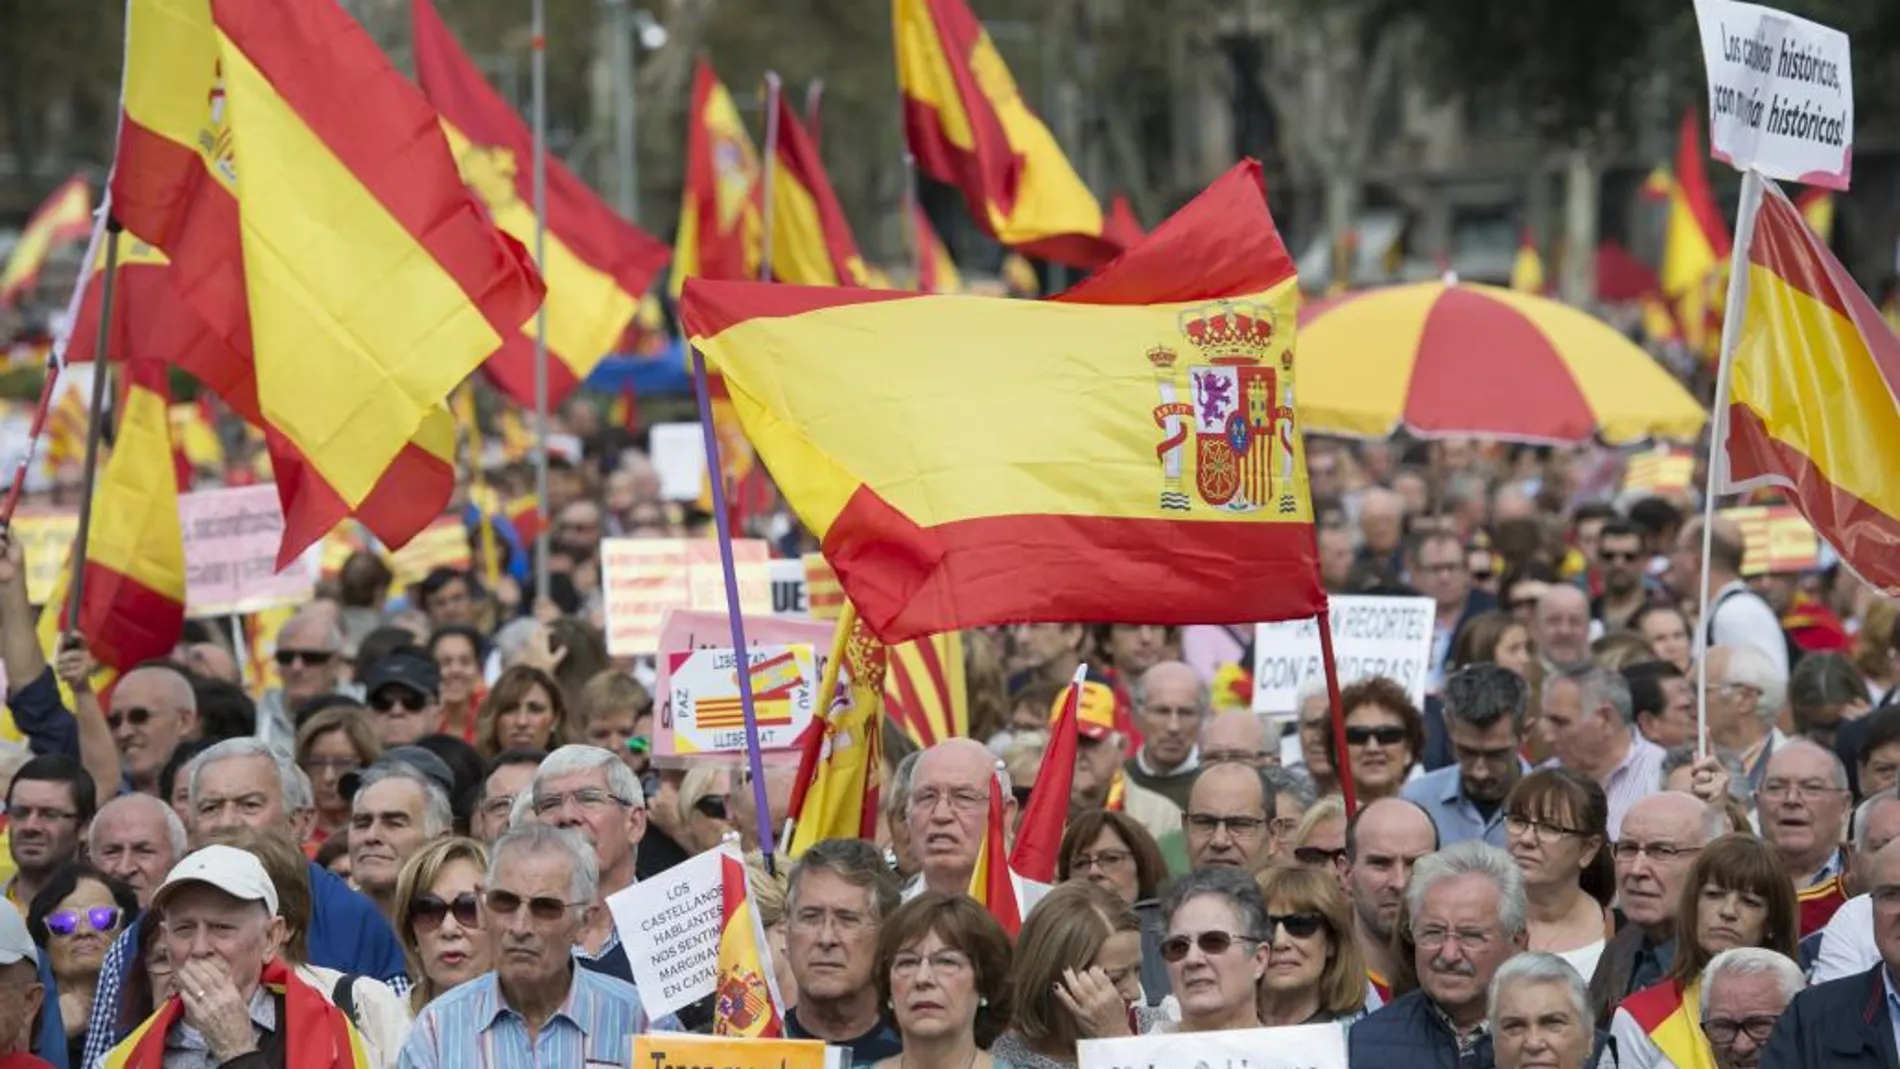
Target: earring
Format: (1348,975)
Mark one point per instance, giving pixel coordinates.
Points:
(982,1001)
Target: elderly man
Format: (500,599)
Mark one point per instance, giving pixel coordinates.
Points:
(49,804)
(836,896)
(1484,717)
(1849,1023)
(1099,751)
(1229,819)
(1381,529)
(403,690)
(1746,694)
(1745,990)
(1803,805)
(395,811)
(508,773)
(1845,945)
(1384,841)
(1662,834)
(137,839)
(1241,736)
(947,813)
(1587,724)
(153,710)
(1539,1015)
(250,783)
(1737,615)
(1171,701)
(237,1004)
(538,1007)
(1560,627)
(1467,915)
(310,661)
(1439,570)
(592,792)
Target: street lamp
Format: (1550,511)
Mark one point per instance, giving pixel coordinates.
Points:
(624,23)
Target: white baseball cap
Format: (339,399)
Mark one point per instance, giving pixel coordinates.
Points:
(236,872)
(16,945)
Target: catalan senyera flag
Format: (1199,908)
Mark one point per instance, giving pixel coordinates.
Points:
(597,265)
(1696,243)
(720,234)
(1039,832)
(1527,270)
(925,691)
(991,883)
(811,238)
(1811,405)
(1127,451)
(746,1001)
(836,793)
(968,126)
(337,251)
(936,270)
(63,217)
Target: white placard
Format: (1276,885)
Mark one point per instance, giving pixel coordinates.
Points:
(1781,93)
(678,451)
(1300,1046)
(791,594)
(670,928)
(706,712)
(1372,636)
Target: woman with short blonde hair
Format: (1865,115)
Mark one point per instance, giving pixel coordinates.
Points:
(1315,972)
(437,901)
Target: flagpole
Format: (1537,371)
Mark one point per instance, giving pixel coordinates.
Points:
(1732,316)
(772,90)
(814,93)
(755,761)
(910,226)
(1342,763)
(95,424)
(539,75)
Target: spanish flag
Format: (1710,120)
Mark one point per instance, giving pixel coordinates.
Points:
(337,248)
(925,690)
(1527,270)
(1817,207)
(66,428)
(1039,833)
(936,270)
(1128,451)
(746,1001)
(319,1035)
(62,218)
(990,882)
(835,795)
(1811,403)
(597,264)
(1669,1016)
(1696,243)
(968,126)
(811,239)
(1123,227)
(719,230)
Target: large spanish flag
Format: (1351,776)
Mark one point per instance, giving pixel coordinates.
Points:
(719,229)
(597,264)
(746,1001)
(1696,243)
(811,239)
(968,126)
(1811,403)
(1129,451)
(63,217)
(344,259)
(836,793)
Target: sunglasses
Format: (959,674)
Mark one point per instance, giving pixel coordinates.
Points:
(1175,947)
(316,658)
(1609,556)
(137,716)
(1298,925)
(711,807)
(427,912)
(386,702)
(98,919)
(1316,856)
(508,903)
(1385,736)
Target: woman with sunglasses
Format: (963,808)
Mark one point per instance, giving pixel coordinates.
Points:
(704,820)
(1216,950)
(1077,976)
(1556,826)
(1385,735)
(943,973)
(1315,973)
(525,711)
(1320,840)
(331,744)
(438,919)
(74,919)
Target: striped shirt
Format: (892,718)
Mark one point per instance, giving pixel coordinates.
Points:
(1637,776)
(472,1027)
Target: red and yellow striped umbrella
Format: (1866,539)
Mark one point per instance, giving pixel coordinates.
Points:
(1454,359)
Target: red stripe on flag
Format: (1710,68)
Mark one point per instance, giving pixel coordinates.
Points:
(710,307)
(1784,245)
(910,706)
(933,671)
(511,369)
(126,621)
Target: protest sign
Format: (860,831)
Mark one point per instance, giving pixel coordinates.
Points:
(231,541)
(1372,636)
(790,593)
(670,927)
(1776,539)
(47,539)
(1662,472)
(1781,93)
(678,451)
(673,1050)
(707,713)
(687,632)
(642,578)
(1304,1046)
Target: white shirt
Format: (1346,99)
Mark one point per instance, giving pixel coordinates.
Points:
(1028,892)
(1742,618)
(1847,942)
(382,1016)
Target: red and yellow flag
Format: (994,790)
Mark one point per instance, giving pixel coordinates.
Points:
(1696,244)
(811,239)
(1817,207)
(597,264)
(66,429)
(719,229)
(1128,451)
(319,1036)
(990,883)
(968,126)
(1123,226)
(746,1001)
(63,217)
(1811,403)
(936,270)
(925,691)
(1039,833)
(1527,270)
(337,250)
(1670,1014)
(836,793)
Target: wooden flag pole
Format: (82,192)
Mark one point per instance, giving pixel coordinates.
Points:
(539,74)
(772,89)
(95,425)
(1732,316)
(1342,762)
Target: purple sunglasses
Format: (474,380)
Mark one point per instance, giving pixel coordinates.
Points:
(98,918)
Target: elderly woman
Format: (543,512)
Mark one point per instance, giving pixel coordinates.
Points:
(525,711)
(1077,975)
(943,970)
(1320,840)
(438,918)
(1539,1014)
(1216,950)
(331,744)
(1736,895)
(1315,972)
(75,918)
(1385,737)
(1316,736)
(703,813)
(1556,828)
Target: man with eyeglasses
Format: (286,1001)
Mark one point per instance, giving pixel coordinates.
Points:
(539,1006)
(947,813)
(1438,569)
(1662,834)
(1588,723)
(506,775)
(1622,567)
(1745,990)
(1484,719)
(1845,945)
(394,810)
(309,661)
(1854,1021)
(1384,841)
(153,710)
(835,897)
(403,690)
(1803,805)
(592,791)
(49,804)
(1229,819)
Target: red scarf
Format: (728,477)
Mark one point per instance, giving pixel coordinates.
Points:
(319,1035)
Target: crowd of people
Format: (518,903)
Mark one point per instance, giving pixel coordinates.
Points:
(414,825)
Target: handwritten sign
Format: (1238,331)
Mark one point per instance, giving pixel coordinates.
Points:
(47,538)
(673,1050)
(1781,93)
(670,927)
(231,542)
(687,632)
(1776,540)
(645,577)
(1304,1046)
(707,714)
(1372,636)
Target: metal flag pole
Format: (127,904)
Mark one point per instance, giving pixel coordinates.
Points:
(539,76)
(909,225)
(1732,316)
(95,424)
(814,93)
(772,90)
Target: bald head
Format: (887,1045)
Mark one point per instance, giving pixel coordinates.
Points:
(948,809)
(1235,735)
(1561,626)
(316,642)
(1171,702)
(153,710)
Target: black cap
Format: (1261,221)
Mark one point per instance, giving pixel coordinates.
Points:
(408,668)
(432,767)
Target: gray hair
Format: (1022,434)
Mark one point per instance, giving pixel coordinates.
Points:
(1600,687)
(1293,781)
(332,631)
(1138,689)
(534,838)
(175,832)
(854,861)
(576,758)
(511,641)
(1538,967)
(1677,757)
(1235,887)
(1314,687)
(1753,961)
(897,792)
(437,817)
(1751,667)
(1863,816)
(1483,694)
(292,784)
(1473,857)
(1838,767)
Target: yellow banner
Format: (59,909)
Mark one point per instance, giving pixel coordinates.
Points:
(668,1050)
(47,538)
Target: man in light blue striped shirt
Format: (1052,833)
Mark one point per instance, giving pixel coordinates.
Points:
(539,1009)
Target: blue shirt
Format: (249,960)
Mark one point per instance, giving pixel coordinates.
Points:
(1441,795)
(43,719)
(472,1027)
